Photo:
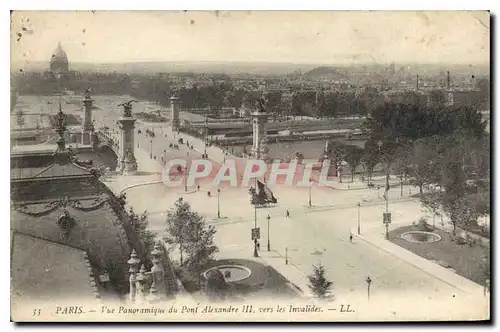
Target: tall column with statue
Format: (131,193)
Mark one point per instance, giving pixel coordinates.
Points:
(127,162)
(174,112)
(259,120)
(332,165)
(88,126)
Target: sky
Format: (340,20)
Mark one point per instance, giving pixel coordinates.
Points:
(313,37)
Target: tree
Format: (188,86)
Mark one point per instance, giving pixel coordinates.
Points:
(423,163)
(370,158)
(178,226)
(353,156)
(318,283)
(486,269)
(432,201)
(462,212)
(140,225)
(201,247)
(402,164)
(413,121)
(336,153)
(187,230)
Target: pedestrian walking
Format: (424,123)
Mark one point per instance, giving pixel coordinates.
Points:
(287,213)
(350,237)
(258,245)
(198,187)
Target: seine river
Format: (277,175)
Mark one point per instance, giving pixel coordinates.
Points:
(106,111)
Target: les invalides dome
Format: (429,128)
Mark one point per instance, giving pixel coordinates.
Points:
(59,60)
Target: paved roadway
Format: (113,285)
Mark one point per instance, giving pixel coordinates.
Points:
(311,237)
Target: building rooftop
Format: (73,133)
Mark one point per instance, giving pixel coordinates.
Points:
(45,271)
(97,229)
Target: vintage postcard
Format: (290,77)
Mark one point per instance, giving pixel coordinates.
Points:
(250,166)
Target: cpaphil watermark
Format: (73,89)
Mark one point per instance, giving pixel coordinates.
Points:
(238,172)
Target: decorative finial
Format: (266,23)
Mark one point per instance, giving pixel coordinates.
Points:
(133,261)
(59,124)
(87,93)
(66,222)
(127,108)
(262,103)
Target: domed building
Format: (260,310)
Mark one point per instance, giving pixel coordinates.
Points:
(59,61)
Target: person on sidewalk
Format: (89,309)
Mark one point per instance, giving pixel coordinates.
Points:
(198,187)
(350,236)
(287,213)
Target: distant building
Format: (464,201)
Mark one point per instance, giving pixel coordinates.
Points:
(59,61)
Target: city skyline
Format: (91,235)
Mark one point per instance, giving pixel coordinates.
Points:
(266,37)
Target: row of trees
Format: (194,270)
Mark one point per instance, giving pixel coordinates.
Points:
(224,94)
(444,146)
(445,149)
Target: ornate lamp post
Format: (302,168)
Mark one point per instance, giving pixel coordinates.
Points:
(359,226)
(151,148)
(218,203)
(255,252)
(368,283)
(268,234)
(60,124)
(310,203)
(386,214)
(206,134)
(133,263)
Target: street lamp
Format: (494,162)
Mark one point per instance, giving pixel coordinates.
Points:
(185,179)
(310,204)
(268,234)
(359,226)
(206,134)
(368,283)
(255,253)
(218,203)
(151,149)
(386,196)
(286,256)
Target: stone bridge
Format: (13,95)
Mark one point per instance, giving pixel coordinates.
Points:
(105,139)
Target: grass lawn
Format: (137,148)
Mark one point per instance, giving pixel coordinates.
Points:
(264,281)
(467,261)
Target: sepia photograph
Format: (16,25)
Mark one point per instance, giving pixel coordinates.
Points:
(250,166)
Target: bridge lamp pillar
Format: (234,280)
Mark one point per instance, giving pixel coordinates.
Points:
(128,163)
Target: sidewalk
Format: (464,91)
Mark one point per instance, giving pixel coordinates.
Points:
(149,171)
(289,271)
(451,278)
